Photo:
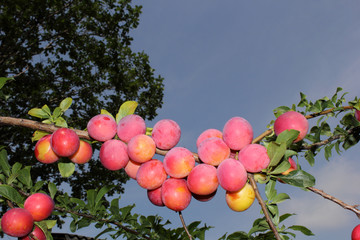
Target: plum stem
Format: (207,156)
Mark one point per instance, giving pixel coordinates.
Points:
(184,225)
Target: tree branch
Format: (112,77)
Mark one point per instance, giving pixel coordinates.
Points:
(352,208)
(263,206)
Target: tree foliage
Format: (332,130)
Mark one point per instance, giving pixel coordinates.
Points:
(54,49)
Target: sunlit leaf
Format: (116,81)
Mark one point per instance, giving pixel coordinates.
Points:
(66,169)
(39,113)
(125,109)
(65,104)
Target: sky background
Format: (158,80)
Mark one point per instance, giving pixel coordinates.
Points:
(222,59)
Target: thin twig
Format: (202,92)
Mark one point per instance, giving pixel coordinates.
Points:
(184,225)
(344,205)
(263,206)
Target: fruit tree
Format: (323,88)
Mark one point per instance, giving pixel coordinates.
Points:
(172,176)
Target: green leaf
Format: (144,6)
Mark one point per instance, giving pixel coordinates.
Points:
(39,113)
(4,164)
(280,110)
(46,109)
(103,111)
(298,178)
(66,169)
(302,229)
(11,194)
(275,152)
(125,109)
(57,112)
(91,194)
(282,167)
(287,136)
(3,81)
(60,122)
(52,189)
(285,216)
(50,223)
(309,156)
(101,194)
(38,134)
(25,176)
(65,104)
(280,198)
(270,190)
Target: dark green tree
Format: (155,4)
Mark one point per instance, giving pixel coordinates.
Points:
(55,49)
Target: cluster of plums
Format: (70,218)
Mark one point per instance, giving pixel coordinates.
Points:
(225,156)
(19,222)
(225,159)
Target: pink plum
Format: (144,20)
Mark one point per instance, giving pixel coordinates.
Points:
(293,166)
(155,197)
(232,175)
(213,151)
(357,114)
(83,154)
(131,168)
(37,232)
(166,134)
(141,148)
(43,151)
(102,127)
(65,142)
(130,126)
(17,222)
(237,133)
(204,198)
(203,179)
(355,234)
(113,154)
(292,120)
(254,157)
(39,205)
(151,174)
(178,162)
(175,194)
(208,133)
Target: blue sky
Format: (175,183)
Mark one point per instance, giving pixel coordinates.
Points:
(244,58)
